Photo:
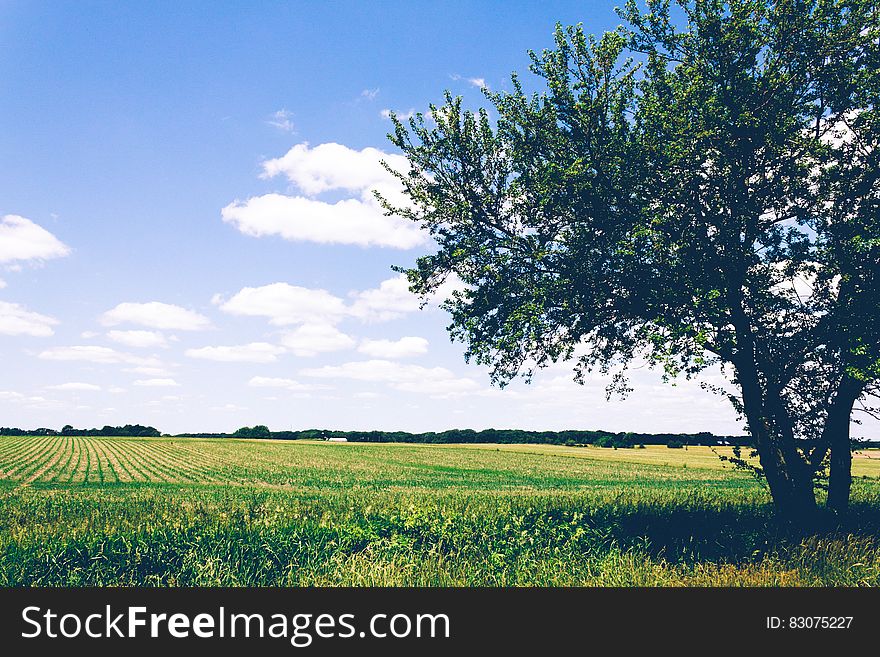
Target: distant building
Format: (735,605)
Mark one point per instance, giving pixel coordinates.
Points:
(337,440)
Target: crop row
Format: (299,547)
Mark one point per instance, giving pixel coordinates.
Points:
(78,460)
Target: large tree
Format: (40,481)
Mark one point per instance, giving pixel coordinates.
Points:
(698,187)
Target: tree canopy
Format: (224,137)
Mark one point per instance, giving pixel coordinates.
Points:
(256,431)
(698,187)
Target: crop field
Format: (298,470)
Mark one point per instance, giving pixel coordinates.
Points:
(224,512)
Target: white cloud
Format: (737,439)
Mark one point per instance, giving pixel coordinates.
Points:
(157,383)
(22,239)
(286,384)
(440,387)
(75,386)
(358,220)
(2,283)
(255,352)
(480,83)
(88,335)
(392,299)
(403,348)
(435,381)
(313,339)
(282,120)
(156,315)
(400,114)
(138,338)
(150,371)
(370,94)
(330,166)
(16,320)
(96,354)
(9,395)
(229,407)
(285,304)
(297,218)
(38,403)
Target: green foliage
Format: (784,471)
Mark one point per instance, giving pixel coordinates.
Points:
(257,431)
(620,440)
(686,192)
(132,430)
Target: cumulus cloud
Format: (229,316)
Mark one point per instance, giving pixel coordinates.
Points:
(76,386)
(402,348)
(17,320)
(157,383)
(255,352)
(285,304)
(96,354)
(296,218)
(22,239)
(357,220)
(330,166)
(156,315)
(138,338)
(435,381)
(286,384)
(392,299)
(313,339)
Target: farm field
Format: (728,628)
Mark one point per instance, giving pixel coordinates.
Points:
(223,512)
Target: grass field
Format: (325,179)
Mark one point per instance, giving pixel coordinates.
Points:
(159,512)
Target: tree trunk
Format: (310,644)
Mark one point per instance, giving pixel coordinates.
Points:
(789,478)
(840,474)
(837,436)
(792,491)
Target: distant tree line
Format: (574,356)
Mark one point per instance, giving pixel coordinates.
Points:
(571,437)
(131,430)
(503,436)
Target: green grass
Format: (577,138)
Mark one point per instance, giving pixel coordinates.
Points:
(193,512)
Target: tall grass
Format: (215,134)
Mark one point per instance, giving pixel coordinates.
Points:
(297,515)
(190,537)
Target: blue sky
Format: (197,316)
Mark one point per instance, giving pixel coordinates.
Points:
(188,238)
